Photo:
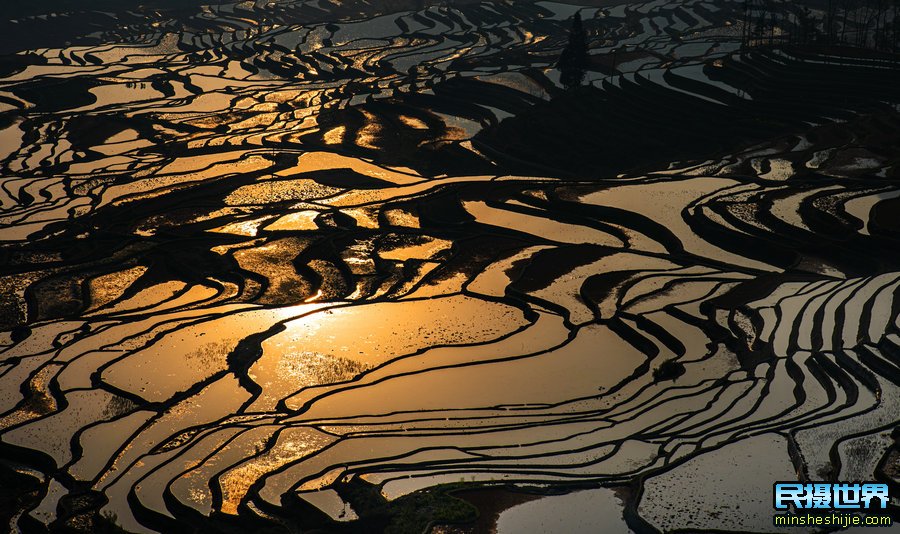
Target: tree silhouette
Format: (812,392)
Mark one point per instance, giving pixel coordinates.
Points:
(574,58)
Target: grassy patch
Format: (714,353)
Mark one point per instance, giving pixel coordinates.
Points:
(411,513)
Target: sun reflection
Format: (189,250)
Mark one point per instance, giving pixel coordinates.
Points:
(315,297)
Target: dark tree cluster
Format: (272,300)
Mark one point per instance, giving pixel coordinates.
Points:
(866,24)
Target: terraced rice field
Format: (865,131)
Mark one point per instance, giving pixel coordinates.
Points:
(253,254)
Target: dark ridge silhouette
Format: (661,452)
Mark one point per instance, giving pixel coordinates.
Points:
(633,125)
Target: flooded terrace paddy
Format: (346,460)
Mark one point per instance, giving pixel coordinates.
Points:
(270,262)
